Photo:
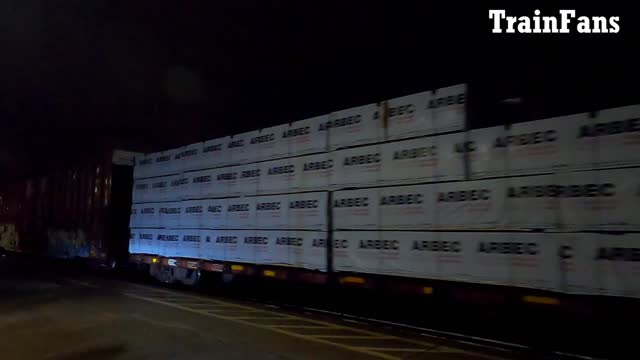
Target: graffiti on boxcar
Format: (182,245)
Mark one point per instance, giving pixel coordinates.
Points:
(8,237)
(67,243)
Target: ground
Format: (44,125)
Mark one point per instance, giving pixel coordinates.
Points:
(54,314)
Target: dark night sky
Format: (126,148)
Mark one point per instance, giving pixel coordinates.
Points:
(151,75)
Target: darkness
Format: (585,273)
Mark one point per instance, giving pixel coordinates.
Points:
(146,76)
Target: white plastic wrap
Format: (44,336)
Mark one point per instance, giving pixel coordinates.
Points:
(611,139)
(215,216)
(241,213)
(242,250)
(191,190)
(357,167)
(277,175)
(134,242)
(484,158)
(241,148)
(224,180)
(409,161)
(148,215)
(469,205)
(215,153)
(408,116)
(147,242)
(162,164)
(278,249)
(191,157)
(189,244)
(540,146)
(429,112)
(193,214)
(261,247)
(134,216)
(211,182)
(168,241)
(271,212)
(406,207)
(600,200)
(314,172)
(307,211)
(530,202)
(303,249)
(307,136)
(141,190)
(576,255)
(178,185)
(214,245)
(248,178)
(160,189)
(169,214)
(143,166)
(177,165)
(422,160)
(355,209)
(515,259)
(616,261)
(355,126)
(447,108)
(362,251)
(269,143)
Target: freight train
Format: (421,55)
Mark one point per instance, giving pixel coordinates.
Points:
(80,210)
(402,195)
(403,192)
